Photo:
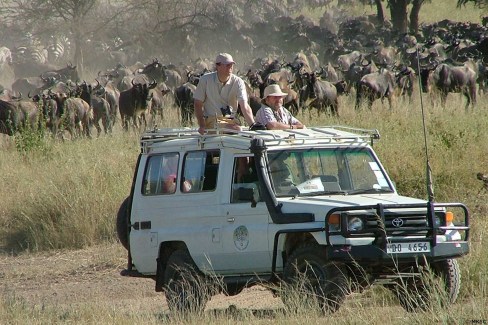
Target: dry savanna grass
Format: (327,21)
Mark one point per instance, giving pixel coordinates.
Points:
(60,196)
(59,200)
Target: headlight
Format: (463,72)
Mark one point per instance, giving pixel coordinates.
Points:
(437,221)
(355,224)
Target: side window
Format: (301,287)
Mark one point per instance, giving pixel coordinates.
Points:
(200,169)
(161,174)
(244,181)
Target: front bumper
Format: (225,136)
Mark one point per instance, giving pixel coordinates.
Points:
(372,254)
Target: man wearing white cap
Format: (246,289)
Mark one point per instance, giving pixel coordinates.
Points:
(218,95)
(272,114)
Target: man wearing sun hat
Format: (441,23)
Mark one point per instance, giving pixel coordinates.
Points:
(272,114)
(218,95)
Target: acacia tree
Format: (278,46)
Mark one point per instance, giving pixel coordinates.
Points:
(49,17)
(399,15)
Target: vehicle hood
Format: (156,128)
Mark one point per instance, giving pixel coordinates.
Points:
(319,205)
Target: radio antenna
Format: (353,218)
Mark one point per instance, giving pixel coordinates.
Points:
(430,186)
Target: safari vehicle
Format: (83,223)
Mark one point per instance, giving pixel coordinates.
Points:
(279,206)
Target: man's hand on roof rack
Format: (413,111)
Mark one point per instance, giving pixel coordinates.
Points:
(257,126)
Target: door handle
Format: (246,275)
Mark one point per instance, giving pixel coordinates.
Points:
(231,219)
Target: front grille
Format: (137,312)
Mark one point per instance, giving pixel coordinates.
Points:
(390,220)
(398,224)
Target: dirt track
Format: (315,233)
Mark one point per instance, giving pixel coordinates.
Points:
(92,275)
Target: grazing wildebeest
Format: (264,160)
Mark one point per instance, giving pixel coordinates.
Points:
(134,102)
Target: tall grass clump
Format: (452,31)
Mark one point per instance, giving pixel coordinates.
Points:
(65,197)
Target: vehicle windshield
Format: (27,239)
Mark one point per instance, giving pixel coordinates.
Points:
(322,171)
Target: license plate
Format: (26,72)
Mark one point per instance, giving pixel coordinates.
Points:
(404,248)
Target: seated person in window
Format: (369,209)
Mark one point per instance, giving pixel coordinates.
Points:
(169,185)
(170,170)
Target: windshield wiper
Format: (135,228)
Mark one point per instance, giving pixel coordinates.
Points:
(368,190)
(321,193)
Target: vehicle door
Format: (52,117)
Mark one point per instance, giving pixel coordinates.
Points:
(245,224)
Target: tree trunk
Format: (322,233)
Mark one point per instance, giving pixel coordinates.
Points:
(398,10)
(414,16)
(379,12)
(78,47)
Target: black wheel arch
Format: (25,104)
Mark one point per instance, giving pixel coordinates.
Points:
(165,251)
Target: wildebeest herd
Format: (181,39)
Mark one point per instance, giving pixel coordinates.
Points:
(381,64)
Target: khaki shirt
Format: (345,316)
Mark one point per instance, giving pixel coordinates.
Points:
(215,95)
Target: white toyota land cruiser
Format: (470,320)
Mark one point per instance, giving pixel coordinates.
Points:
(279,206)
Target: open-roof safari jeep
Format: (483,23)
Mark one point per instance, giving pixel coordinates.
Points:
(282,207)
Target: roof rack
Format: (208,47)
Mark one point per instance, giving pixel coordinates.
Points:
(272,137)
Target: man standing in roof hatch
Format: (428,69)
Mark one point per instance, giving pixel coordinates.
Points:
(218,96)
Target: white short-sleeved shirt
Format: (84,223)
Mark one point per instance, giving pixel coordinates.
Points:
(215,95)
(266,114)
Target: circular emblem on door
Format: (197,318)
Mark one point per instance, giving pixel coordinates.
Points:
(397,222)
(241,237)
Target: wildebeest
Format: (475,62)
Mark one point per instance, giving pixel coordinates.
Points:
(377,85)
(15,115)
(76,115)
(157,99)
(127,82)
(356,71)
(405,80)
(344,61)
(384,56)
(155,70)
(134,102)
(111,94)
(184,100)
(100,107)
(446,78)
(321,94)
(329,73)
(50,111)
(32,85)
(68,73)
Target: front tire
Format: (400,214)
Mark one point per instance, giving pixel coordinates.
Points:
(421,292)
(185,288)
(313,281)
